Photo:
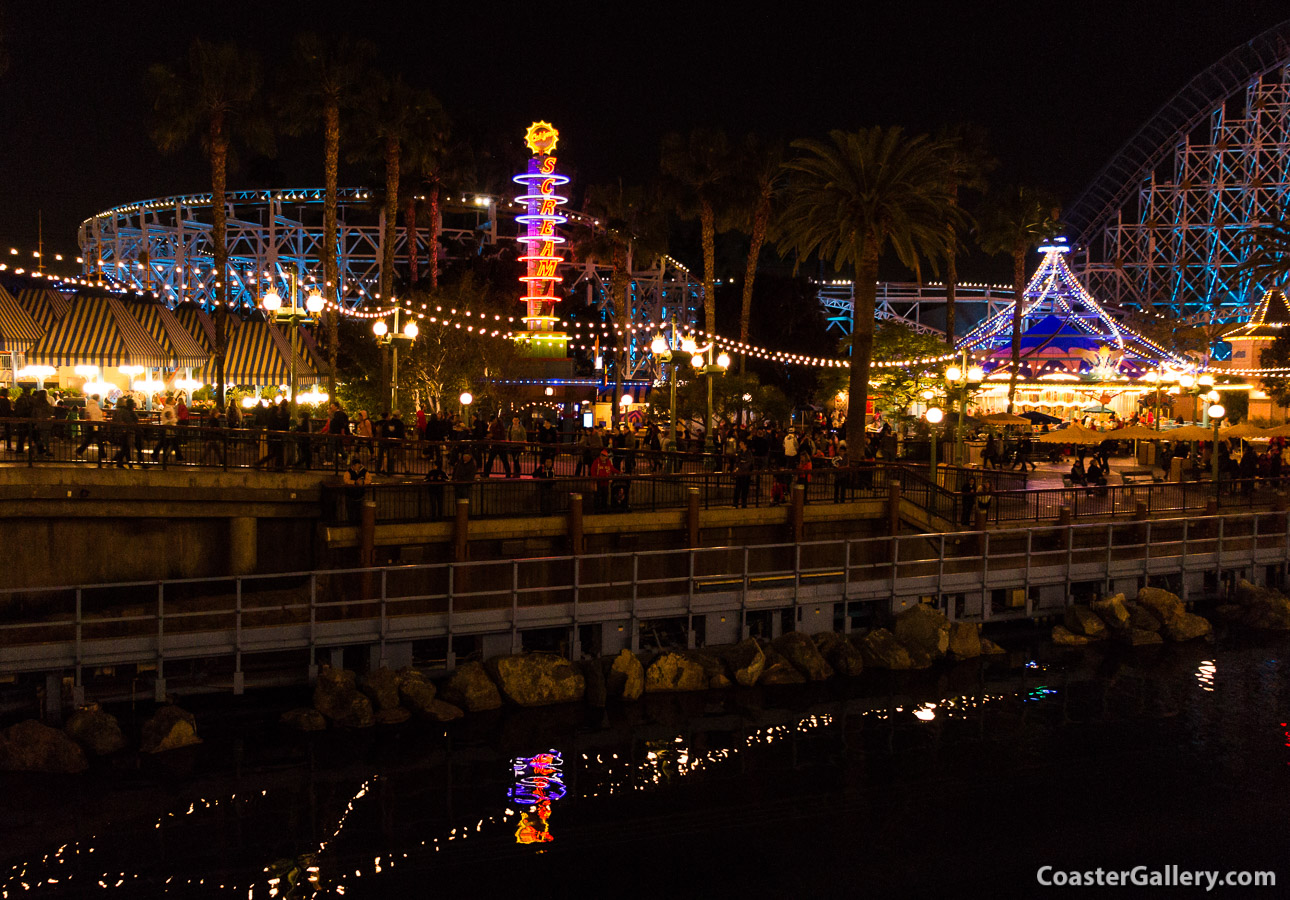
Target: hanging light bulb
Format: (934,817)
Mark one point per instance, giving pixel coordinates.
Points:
(379,328)
(314,301)
(410,331)
(272,300)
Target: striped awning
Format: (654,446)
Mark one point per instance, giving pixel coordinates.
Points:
(45,305)
(307,345)
(18,330)
(259,353)
(98,331)
(198,323)
(185,351)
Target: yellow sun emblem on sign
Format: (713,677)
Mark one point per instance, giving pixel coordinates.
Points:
(541,138)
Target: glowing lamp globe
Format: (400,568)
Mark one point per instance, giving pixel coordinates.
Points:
(1187,380)
(1205,380)
(410,331)
(953,373)
(688,345)
(723,360)
(1217,411)
(1151,377)
(272,300)
(1212,396)
(928,395)
(934,415)
(550,392)
(625,400)
(976,373)
(697,361)
(379,328)
(314,301)
(658,345)
(466,398)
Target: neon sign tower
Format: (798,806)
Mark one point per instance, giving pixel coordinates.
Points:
(537,235)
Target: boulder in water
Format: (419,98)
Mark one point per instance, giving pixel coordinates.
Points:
(1138,637)
(1161,603)
(337,698)
(396,716)
(471,689)
(537,679)
(1261,607)
(673,671)
(801,651)
(965,640)
(925,628)
(626,676)
(1141,618)
(778,669)
(440,711)
(881,650)
(1080,619)
(839,653)
(95,730)
(304,718)
(416,691)
(32,746)
(1112,611)
(382,687)
(746,661)
(1063,637)
(1187,626)
(990,648)
(714,668)
(169,729)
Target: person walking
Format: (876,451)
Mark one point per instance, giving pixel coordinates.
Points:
(93,426)
(603,470)
(166,440)
(518,437)
(969,502)
(337,430)
(496,437)
(304,447)
(742,467)
(125,422)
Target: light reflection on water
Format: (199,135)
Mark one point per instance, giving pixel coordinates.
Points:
(336,864)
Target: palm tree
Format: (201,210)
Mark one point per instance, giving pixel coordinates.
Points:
(761,163)
(395,115)
(423,154)
(850,199)
(215,96)
(1267,251)
(631,229)
(699,173)
(1014,221)
(967,162)
(325,78)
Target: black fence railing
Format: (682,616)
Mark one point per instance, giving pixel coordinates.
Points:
(412,501)
(1123,500)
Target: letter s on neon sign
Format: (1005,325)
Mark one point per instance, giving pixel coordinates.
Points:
(548,165)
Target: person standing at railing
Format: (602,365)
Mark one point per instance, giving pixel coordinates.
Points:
(789,449)
(496,436)
(545,475)
(603,470)
(6,413)
(304,457)
(841,462)
(92,427)
(356,482)
(125,422)
(969,502)
(166,438)
(742,467)
(435,479)
(803,476)
(518,436)
(337,430)
(547,437)
(984,501)
(41,413)
(464,474)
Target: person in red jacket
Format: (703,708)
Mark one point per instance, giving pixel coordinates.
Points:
(603,469)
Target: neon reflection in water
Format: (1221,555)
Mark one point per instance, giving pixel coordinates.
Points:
(538,783)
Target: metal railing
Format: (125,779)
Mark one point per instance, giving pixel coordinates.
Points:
(1111,501)
(72,627)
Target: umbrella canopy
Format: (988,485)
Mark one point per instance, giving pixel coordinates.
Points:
(1004,418)
(1136,433)
(1039,418)
(1189,433)
(1278,431)
(1097,409)
(1073,434)
(1245,430)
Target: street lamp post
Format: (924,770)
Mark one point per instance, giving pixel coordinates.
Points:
(702,359)
(292,316)
(386,335)
(661,347)
(962,377)
(933,417)
(1216,413)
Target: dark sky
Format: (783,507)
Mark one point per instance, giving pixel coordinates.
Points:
(1059,85)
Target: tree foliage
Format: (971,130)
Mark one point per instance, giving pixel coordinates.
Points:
(1276,356)
(851,198)
(897,387)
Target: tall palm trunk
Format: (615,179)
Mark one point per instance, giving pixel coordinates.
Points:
(331,278)
(391,217)
(219,232)
(866,296)
(951,285)
(761,218)
(708,225)
(1018,289)
(432,252)
(410,226)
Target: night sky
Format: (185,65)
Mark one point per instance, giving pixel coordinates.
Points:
(1059,86)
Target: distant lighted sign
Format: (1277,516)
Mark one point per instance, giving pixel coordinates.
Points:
(538,783)
(541,204)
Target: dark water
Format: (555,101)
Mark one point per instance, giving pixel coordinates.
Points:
(1174,755)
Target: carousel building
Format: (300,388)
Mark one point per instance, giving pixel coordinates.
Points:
(1248,341)
(1076,359)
